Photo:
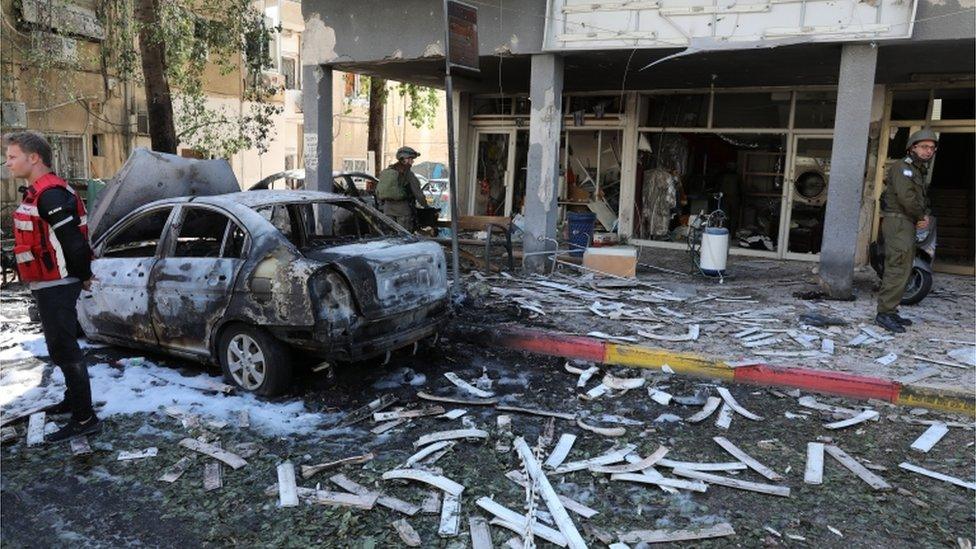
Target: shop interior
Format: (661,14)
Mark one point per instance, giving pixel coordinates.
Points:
(681,175)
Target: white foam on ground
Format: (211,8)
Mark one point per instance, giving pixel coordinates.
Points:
(28,345)
(144,387)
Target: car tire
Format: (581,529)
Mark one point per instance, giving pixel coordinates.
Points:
(254,361)
(919,286)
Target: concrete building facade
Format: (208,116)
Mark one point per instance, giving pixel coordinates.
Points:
(644,112)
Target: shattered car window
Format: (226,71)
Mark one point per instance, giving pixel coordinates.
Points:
(342,222)
(140,237)
(201,233)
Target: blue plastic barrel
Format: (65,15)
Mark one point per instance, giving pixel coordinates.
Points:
(580,230)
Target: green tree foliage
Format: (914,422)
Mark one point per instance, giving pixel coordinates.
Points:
(228,35)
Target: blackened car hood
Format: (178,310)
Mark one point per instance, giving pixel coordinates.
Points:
(148,176)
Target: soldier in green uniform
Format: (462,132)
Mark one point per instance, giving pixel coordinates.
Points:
(398,189)
(904,207)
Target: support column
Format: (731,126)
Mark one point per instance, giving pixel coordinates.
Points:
(317,109)
(847,163)
(542,177)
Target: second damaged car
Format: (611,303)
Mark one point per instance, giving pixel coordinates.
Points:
(249,280)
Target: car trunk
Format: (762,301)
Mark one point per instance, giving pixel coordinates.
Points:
(389,276)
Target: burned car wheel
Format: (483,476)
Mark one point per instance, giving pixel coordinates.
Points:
(254,361)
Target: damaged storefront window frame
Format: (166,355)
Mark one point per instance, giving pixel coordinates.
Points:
(791,101)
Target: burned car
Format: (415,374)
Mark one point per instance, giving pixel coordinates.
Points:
(246,279)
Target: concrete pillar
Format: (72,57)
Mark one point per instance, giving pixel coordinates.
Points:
(847,163)
(317,109)
(542,178)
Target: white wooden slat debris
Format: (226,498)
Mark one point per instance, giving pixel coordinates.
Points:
(813,474)
(791,354)
(176,470)
(426,451)
(549,496)
(212,479)
(408,414)
(621,383)
(693,332)
(396,504)
(605,431)
(452,400)
(865,415)
(431,504)
(596,392)
(152,451)
(287,489)
(859,340)
(467,387)
(730,400)
(887,359)
(35,428)
(407,534)
(652,473)
(80,446)
(751,462)
(229,458)
(534,412)
(559,453)
(437,481)
(724,420)
(519,523)
(571,505)
(649,461)
(342,499)
(855,467)
(746,332)
(450,516)
(388,425)
(480,534)
(940,362)
(608,337)
(613,456)
(770,489)
(938,476)
(762,342)
(661,397)
(585,376)
(805,340)
(453,414)
(661,481)
(698,466)
(710,406)
(930,437)
(827,346)
(449,435)
(669,536)
(813,404)
(309,470)
(243,418)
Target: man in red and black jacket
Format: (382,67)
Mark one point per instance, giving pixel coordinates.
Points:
(54,258)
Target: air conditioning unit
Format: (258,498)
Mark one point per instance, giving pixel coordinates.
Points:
(13,114)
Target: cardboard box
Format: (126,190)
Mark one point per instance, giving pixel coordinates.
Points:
(615,260)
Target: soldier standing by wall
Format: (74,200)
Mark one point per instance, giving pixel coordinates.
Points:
(904,207)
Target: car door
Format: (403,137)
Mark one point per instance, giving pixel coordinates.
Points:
(194,279)
(118,304)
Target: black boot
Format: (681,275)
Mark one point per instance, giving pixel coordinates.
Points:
(889,322)
(76,429)
(62,407)
(902,320)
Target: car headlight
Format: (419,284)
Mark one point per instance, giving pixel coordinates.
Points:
(334,297)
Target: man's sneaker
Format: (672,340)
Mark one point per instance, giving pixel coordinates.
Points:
(62,407)
(902,320)
(76,429)
(889,322)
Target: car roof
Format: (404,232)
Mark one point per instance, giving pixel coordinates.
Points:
(255,199)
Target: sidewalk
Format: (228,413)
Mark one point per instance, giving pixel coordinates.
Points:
(752,317)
